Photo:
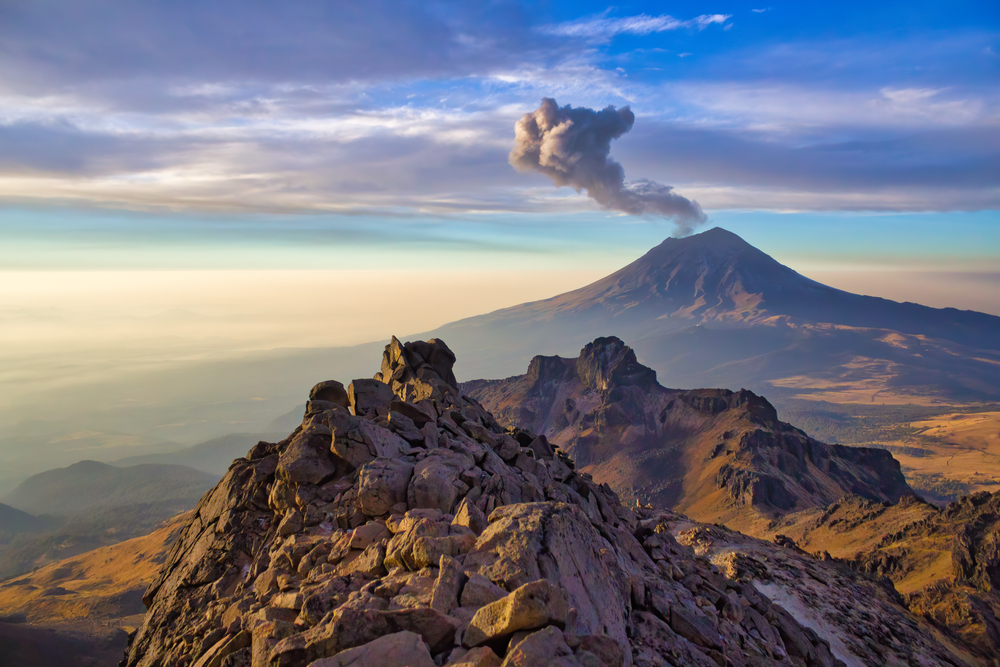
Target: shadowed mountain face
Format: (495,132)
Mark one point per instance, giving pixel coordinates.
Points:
(712,310)
(713,454)
(90,486)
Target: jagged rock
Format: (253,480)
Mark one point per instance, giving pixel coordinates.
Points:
(662,446)
(338,546)
(399,648)
(557,541)
(470,516)
(482,656)
(361,441)
(436,480)
(545,647)
(382,485)
(479,591)
(530,606)
(307,458)
(369,398)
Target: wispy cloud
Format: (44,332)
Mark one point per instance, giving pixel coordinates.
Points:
(604,28)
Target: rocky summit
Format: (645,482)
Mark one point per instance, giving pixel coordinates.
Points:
(713,454)
(401,524)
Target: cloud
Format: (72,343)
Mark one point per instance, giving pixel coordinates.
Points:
(759,11)
(604,28)
(573,147)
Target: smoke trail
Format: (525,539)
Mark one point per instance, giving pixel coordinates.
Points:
(573,146)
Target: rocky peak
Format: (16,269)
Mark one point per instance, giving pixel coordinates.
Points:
(544,371)
(418,370)
(408,527)
(607,363)
(714,453)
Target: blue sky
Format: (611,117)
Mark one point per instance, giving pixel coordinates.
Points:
(298,134)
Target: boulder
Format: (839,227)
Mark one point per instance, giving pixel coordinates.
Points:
(557,541)
(545,647)
(437,481)
(479,591)
(332,391)
(307,458)
(361,441)
(369,398)
(481,656)
(399,648)
(382,484)
(533,605)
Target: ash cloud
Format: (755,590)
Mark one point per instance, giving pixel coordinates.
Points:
(573,147)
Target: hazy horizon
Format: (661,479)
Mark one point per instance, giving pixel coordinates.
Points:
(190,183)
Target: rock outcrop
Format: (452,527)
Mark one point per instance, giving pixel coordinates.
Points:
(714,454)
(944,563)
(412,528)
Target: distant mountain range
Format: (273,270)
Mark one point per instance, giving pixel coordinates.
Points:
(89,486)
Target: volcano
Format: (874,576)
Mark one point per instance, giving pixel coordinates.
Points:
(712,310)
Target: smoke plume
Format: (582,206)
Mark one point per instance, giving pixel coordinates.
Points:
(573,146)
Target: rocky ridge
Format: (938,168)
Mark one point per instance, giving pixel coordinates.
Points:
(713,454)
(402,524)
(944,563)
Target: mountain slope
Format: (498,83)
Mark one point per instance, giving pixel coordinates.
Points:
(13,521)
(91,486)
(212,456)
(715,455)
(712,310)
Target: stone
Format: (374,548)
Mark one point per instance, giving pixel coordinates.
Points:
(393,650)
(470,516)
(607,650)
(264,637)
(481,656)
(694,627)
(362,441)
(544,647)
(479,591)
(307,458)
(437,629)
(533,605)
(429,550)
(434,480)
(369,398)
(332,391)
(370,533)
(556,541)
(292,523)
(418,413)
(444,597)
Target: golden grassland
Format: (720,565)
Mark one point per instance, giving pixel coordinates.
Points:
(104,584)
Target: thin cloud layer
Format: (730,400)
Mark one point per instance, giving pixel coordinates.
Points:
(573,147)
(642,24)
(405,109)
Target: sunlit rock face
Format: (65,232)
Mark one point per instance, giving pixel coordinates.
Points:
(713,453)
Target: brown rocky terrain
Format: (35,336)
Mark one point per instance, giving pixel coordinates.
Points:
(401,524)
(714,454)
(944,562)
